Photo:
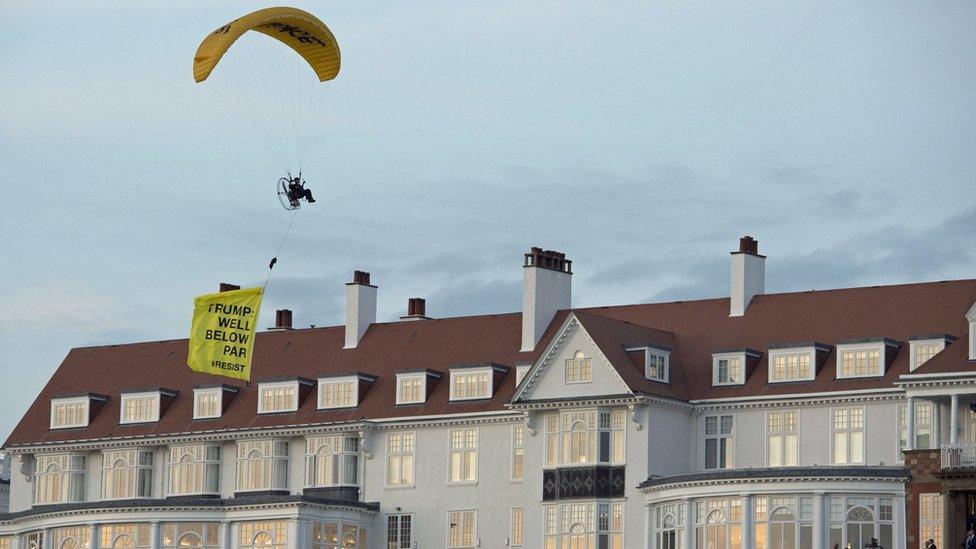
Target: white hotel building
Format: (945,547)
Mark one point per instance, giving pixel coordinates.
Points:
(777,421)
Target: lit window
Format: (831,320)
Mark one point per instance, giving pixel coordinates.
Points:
(271,534)
(69,412)
(207,403)
(399,459)
(728,368)
(719,442)
(340,393)
(923,425)
(462,529)
(470,385)
(578,369)
(782,448)
(399,532)
(924,349)
(278,397)
(584,525)
(656,366)
(194,469)
(670,523)
(518,452)
(127,474)
(464,455)
(333,535)
(184,535)
(262,465)
(791,366)
(60,478)
(140,407)
(332,461)
(516,536)
(410,389)
(930,518)
(5,542)
(125,536)
(848,431)
(865,362)
(70,537)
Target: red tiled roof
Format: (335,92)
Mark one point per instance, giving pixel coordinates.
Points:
(692,329)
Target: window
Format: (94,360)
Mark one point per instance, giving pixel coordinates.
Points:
(930,519)
(923,350)
(69,412)
(127,474)
(669,525)
(848,435)
(972,426)
(399,532)
(60,479)
(612,446)
(35,540)
(518,452)
(718,523)
(332,461)
(71,537)
(516,537)
(470,385)
(464,455)
(520,372)
(727,370)
(271,534)
(5,542)
(125,536)
(854,520)
(194,469)
(584,525)
(585,436)
(207,403)
(140,408)
(783,522)
(924,421)
(860,363)
(399,459)
(262,465)
(183,535)
(410,389)
(278,397)
(578,369)
(791,365)
(719,442)
(462,529)
(337,535)
(656,366)
(338,393)
(781,435)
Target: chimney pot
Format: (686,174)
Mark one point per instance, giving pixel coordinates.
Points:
(416,306)
(360,277)
(228,287)
(283,319)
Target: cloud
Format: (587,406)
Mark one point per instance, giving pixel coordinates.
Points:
(476,298)
(61,307)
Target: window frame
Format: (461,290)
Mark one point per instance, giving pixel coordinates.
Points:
(74,481)
(844,348)
(401,453)
(274,385)
(848,430)
(475,540)
(138,468)
(208,391)
(579,360)
(716,360)
(487,371)
(518,453)
(70,401)
(915,344)
(772,354)
(783,434)
(206,465)
(324,382)
(125,398)
(516,527)
(719,436)
(463,452)
(275,461)
(399,530)
(400,378)
(339,466)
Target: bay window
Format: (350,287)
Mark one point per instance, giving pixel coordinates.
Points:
(194,469)
(332,461)
(60,478)
(268,534)
(262,465)
(184,535)
(127,474)
(125,536)
(718,523)
(580,437)
(584,525)
(854,520)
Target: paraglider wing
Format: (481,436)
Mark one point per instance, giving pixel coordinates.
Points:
(299,30)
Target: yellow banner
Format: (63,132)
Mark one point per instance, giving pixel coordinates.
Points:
(222,333)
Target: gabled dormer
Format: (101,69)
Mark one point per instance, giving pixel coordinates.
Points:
(211,401)
(73,411)
(733,366)
(868,357)
(415,386)
(144,405)
(283,394)
(789,362)
(343,390)
(477,381)
(923,347)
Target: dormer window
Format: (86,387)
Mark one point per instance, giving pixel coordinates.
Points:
(475,382)
(656,361)
(340,392)
(864,357)
(210,402)
(732,367)
(578,369)
(410,389)
(71,412)
(282,396)
(143,406)
(795,362)
(922,348)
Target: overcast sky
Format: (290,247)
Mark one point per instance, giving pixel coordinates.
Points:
(641,139)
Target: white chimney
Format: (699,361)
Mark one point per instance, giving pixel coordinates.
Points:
(546,288)
(360,308)
(971,317)
(748,275)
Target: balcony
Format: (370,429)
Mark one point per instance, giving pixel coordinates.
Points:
(959,456)
(585,482)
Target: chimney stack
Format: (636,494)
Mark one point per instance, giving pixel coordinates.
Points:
(282,320)
(228,287)
(748,275)
(360,308)
(416,309)
(546,288)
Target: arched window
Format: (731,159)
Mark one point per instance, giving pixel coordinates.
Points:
(190,539)
(332,461)
(127,474)
(262,465)
(194,469)
(667,535)
(270,534)
(782,528)
(192,535)
(860,526)
(124,541)
(69,543)
(578,369)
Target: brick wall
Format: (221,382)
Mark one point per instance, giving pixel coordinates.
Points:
(923,465)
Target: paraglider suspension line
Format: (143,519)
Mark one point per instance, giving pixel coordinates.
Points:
(280,246)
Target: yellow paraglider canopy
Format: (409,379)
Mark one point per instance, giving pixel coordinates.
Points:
(299,30)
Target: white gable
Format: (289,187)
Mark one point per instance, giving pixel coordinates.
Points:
(547,378)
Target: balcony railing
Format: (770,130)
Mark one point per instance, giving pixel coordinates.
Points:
(959,456)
